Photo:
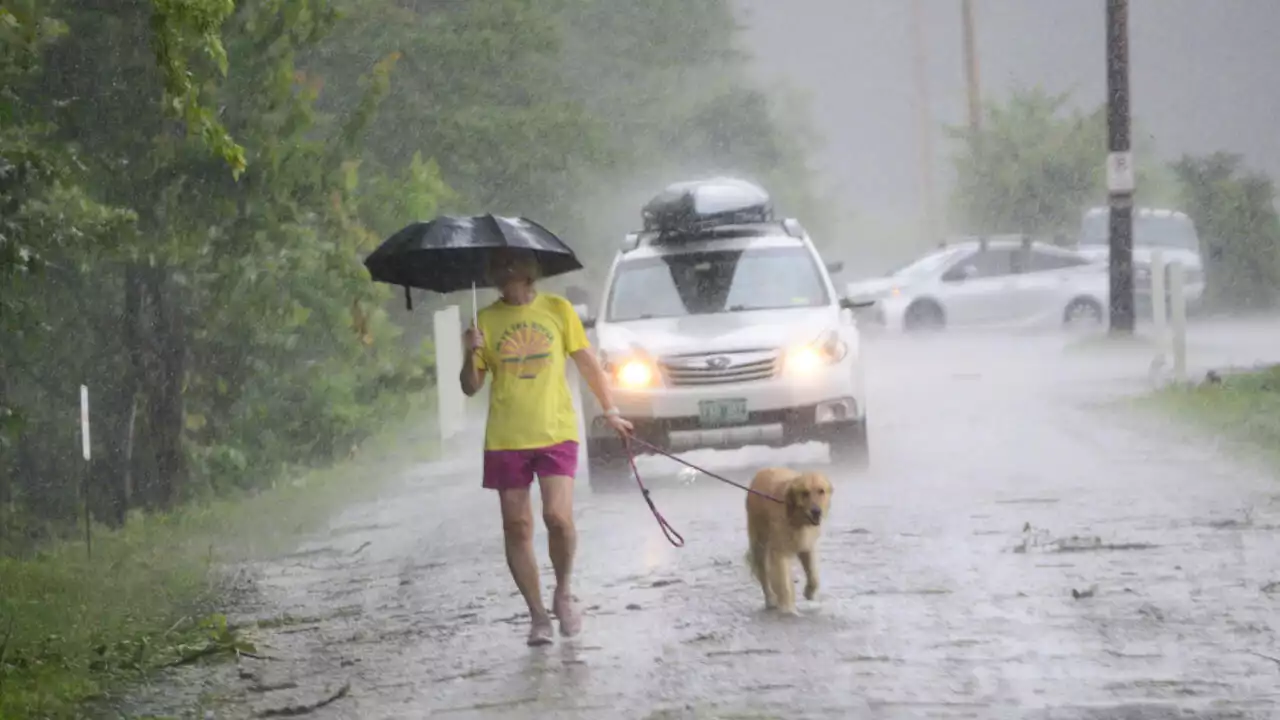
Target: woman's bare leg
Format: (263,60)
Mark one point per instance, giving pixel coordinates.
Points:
(562,542)
(517,531)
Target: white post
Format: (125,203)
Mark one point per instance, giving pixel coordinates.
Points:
(1178,299)
(1159,310)
(86,451)
(450,402)
(84,422)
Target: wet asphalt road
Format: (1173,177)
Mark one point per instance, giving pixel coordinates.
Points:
(1004,477)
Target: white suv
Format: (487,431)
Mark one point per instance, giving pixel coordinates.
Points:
(1169,231)
(724,333)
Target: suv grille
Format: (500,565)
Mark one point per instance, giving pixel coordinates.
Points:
(717,368)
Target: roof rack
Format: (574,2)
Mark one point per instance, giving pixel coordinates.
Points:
(790,227)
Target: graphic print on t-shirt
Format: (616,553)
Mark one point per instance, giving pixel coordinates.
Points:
(525,349)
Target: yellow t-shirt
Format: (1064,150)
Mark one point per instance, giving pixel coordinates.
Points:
(525,347)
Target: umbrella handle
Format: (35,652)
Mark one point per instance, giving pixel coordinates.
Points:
(475,307)
(408,299)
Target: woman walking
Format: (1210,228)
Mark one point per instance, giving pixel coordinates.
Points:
(522,340)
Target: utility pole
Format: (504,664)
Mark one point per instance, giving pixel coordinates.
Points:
(971,67)
(1121,179)
(924,128)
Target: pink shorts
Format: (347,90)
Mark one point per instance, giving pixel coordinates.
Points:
(513,469)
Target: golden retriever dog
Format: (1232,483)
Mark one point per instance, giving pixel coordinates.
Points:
(779,531)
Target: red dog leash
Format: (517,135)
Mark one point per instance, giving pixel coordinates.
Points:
(672,536)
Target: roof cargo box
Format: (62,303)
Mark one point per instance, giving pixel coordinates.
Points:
(688,207)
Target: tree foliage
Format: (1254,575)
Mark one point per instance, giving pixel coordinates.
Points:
(1234,211)
(217,309)
(669,81)
(1035,165)
(189,187)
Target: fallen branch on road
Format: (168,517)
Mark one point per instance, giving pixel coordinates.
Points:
(1266,657)
(295,710)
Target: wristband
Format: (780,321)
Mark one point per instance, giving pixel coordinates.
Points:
(612,412)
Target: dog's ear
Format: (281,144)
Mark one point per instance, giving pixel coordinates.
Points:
(789,495)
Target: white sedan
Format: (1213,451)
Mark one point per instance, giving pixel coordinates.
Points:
(998,282)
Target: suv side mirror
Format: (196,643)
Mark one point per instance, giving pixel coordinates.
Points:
(835,268)
(584,314)
(847,303)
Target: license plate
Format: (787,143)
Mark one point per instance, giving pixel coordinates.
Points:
(714,413)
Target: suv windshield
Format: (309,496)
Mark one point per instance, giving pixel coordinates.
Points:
(704,283)
(1165,231)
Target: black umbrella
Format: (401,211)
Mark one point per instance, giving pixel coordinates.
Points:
(452,253)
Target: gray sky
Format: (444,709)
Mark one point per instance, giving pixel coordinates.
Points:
(1203,75)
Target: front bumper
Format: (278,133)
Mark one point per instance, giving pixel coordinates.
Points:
(770,428)
(780,411)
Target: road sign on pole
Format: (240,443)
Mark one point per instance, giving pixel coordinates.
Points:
(1121,176)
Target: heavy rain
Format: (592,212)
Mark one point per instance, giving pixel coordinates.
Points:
(287,288)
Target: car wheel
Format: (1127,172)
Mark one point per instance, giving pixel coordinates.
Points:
(851,447)
(607,471)
(924,316)
(1082,313)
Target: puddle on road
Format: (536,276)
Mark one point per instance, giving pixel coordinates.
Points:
(1036,540)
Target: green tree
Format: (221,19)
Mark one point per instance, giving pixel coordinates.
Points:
(572,111)
(203,180)
(228,326)
(1034,166)
(1234,211)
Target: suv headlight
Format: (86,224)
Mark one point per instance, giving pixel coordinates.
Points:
(827,349)
(633,371)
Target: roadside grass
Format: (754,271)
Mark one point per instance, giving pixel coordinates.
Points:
(1101,340)
(76,630)
(1243,407)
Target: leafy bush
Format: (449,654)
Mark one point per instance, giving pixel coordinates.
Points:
(1235,214)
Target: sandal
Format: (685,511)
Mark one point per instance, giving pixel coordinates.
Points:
(540,633)
(570,619)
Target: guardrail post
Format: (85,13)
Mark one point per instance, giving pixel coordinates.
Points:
(1178,299)
(1159,307)
(451,404)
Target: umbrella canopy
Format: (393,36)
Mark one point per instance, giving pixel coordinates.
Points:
(452,253)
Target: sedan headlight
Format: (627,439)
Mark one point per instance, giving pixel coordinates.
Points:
(827,349)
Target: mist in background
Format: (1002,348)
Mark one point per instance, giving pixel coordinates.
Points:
(1202,79)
